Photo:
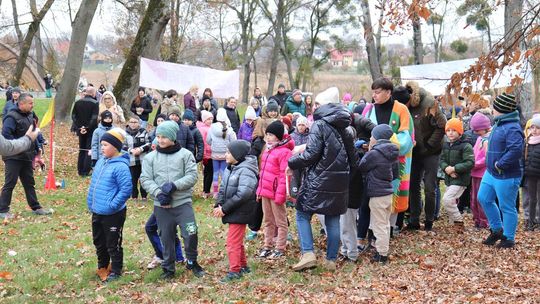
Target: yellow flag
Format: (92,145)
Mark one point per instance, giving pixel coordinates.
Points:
(49,115)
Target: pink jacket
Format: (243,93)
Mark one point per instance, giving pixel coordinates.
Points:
(479,158)
(204,132)
(272,175)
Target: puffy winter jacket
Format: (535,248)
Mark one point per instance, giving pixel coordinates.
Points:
(237,193)
(184,137)
(160,168)
(146,104)
(110,187)
(300,138)
(272,176)
(379,166)
(532,161)
(245,132)
(199,143)
(328,157)
(504,158)
(459,155)
(96,141)
(204,129)
(257,146)
(363,127)
(216,141)
(136,139)
(292,106)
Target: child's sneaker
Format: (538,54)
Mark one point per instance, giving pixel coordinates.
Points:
(506,243)
(195,268)
(245,270)
(112,277)
(231,276)
(251,235)
(264,253)
(154,263)
(493,237)
(276,254)
(378,258)
(42,211)
(166,275)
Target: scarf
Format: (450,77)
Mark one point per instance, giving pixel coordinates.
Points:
(534,140)
(169,150)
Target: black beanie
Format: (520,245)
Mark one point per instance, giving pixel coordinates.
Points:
(115,138)
(106,114)
(239,149)
(276,128)
(401,94)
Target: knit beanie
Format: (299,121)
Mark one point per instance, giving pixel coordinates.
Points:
(287,121)
(330,95)
(347,97)
(401,94)
(168,129)
(205,115)
(239,149)
(382,131)
(302,120)
(162,116)
(296,92)
(188,114)
(505,103)
(175,110)
(115,137)
(106,114)
(281,85)
(454,124)
(480,121)
(276,128)
(272,106)
(250,113)
(359,109)
(16,90)
(536,120)
(222,115)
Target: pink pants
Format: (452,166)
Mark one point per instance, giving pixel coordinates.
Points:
(479,216)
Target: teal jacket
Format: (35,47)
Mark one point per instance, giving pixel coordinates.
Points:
(291,106)
(459,155)
(179,168)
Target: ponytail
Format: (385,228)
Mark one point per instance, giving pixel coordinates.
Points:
(224,135)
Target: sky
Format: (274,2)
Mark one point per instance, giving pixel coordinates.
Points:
(57,23)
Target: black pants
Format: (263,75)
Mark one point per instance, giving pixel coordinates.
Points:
(84,163)
(465,199)
(208,175)
(364,213)
(423,169)
(107,234)
(15,169)
(135,175)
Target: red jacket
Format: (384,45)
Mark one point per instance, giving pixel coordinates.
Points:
(272,175)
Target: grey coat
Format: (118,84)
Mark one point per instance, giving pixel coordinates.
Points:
(14,146)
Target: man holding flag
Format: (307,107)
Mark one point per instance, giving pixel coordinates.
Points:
(16,124)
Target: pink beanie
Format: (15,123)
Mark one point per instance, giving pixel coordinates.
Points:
(205,115)
(480,121)
(347,97)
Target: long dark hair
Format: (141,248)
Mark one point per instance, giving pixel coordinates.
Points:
(224,135)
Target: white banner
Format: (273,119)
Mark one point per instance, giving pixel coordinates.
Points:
(180,77)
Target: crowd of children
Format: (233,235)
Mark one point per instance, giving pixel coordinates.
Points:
(247,174)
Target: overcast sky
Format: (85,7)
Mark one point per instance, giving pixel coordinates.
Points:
(57,23)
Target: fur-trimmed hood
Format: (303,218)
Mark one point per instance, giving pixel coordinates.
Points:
(419,96)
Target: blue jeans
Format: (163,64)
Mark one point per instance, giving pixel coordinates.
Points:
(505,190)
(219,167)
(305,234)
(151,228)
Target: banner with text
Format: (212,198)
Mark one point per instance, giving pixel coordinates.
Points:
(180,77)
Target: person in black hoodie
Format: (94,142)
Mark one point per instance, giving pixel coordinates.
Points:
(280,96)
(380,166)
(232,114)
(142,106)
(85,121)
(189,118)
(183,137)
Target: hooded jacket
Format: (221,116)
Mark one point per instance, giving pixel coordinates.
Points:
(428,129)
(204,129)
(504,158)
(379,165)
(110,187)
(198,142)
(96,141)
(292,106)
(460,155)
(118,114)
(217,143)
(272,176)
(328,159)
(146,104)
(234,118)
(237,193)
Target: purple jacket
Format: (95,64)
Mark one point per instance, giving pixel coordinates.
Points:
(245,132)
(300,139)
(189,102)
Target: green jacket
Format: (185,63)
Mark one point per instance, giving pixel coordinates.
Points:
(179,168)
(459,155)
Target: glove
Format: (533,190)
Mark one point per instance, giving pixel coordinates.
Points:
(164,199)
(94,161)
(168,188)
(358,144)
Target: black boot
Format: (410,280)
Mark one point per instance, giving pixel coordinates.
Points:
(493,237)
(195,268)
(506,243)
(413,226)
(167,275)
(428,226)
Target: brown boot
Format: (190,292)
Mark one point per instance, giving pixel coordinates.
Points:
(308,260)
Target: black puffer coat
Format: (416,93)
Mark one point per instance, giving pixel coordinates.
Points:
(328,157)
(237,194)
(532,160)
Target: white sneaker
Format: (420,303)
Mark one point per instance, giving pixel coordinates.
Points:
(154,263)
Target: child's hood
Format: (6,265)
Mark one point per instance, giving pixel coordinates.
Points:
(388,149)
(249,163)
(217,129)
(287,142)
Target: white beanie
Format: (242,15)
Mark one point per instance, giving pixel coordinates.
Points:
(221,116)
(302,120)
(250,113)
(205,115)
(330,95)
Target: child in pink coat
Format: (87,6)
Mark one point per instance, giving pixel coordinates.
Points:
(481,125)
(272,189)
(208,170)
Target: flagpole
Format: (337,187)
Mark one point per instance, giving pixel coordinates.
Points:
(51,181)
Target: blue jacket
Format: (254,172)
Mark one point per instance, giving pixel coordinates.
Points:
(111,186)
(96,140)
(504,157)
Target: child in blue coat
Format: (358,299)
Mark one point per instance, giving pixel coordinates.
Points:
(109,190)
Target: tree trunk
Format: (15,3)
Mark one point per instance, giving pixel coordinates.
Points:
(278,25)
(417,41)
(371,48)
(27,43)
(20,36)
(38,44)
(246,65)
(147,44)
(70,79)
(174,47)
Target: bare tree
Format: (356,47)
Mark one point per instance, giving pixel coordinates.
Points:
(70,79)
(417,40)
(147,44)
(371,49)
(27,43)
(37,43)
(18,31)
(438,20)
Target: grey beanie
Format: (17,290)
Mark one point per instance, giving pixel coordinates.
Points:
(382,131)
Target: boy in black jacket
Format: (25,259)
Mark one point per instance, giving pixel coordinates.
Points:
(379,165)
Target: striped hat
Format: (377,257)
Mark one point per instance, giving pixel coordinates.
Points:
(115,137)
(505,103)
